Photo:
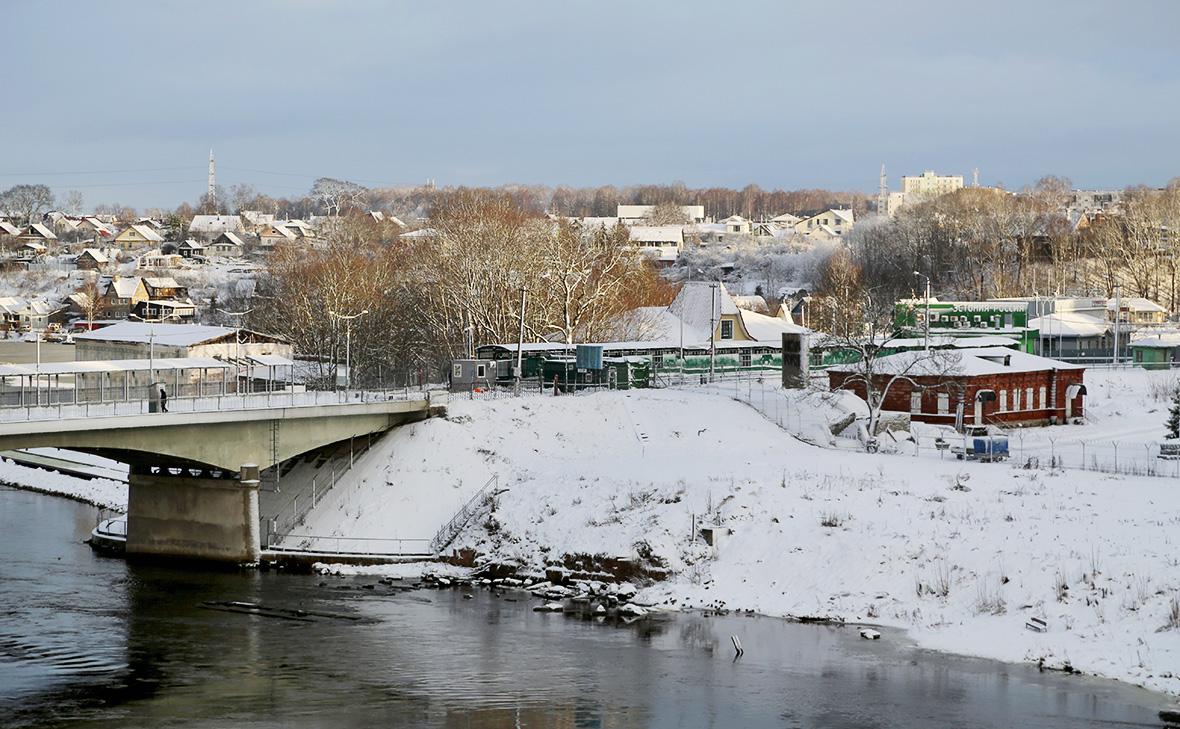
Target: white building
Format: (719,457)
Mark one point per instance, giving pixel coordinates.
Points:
(638,214)
(929,184)
(139,340)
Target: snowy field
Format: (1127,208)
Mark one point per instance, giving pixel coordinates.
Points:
(961,555)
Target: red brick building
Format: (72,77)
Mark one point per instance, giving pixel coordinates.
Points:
(990,385)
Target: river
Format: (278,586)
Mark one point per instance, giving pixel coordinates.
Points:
(88,641)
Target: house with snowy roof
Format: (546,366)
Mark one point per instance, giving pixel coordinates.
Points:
(92,259)
(211,226)
(662,243)
(828,225)
(99,229)
(956,387)
(226,245)
(273,234)
(137,235)
(1136,311)
(120,295)
(38,233)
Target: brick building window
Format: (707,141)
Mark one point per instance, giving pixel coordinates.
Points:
(1003,401)
(1028,397)
(944,403)
(1016,399)
(915,402)
(1044,398)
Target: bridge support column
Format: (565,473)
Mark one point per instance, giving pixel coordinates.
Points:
(193,514)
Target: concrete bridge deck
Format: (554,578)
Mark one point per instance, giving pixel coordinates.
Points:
(194,471)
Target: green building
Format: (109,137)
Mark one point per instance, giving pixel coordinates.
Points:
(967,319)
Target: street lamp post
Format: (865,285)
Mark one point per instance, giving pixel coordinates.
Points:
(919,273)
(238,342)
(347,319)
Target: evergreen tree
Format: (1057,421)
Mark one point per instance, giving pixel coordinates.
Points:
(1173,424)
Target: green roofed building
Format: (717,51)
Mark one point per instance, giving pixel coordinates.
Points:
(967,319)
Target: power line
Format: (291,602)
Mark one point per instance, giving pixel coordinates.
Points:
(307,176)
(95,172)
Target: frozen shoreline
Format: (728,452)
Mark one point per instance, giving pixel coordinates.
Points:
(100,492)
(959,555)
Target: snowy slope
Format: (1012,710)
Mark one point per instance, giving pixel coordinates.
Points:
(960,554)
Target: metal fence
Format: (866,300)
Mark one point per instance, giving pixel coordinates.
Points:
(350,546)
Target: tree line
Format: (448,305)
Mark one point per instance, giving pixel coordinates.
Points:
(981,243)
(433,298)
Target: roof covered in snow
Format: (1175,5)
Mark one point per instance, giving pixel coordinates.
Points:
(673,234)
(1069,324)
(176,335)
(959,363)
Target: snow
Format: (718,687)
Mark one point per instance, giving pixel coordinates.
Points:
(177,335)
(961,555)
(961,362)
(1069,324)
(104,493)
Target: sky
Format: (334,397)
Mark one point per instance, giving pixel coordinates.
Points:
(123,100)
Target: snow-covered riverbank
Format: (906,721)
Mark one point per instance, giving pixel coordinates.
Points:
(959,554)
(101,492)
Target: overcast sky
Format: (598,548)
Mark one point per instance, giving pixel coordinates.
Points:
(122,100)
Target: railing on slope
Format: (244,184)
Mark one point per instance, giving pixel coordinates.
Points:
(475,506)
(283,522)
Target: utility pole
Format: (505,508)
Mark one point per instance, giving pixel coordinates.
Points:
(919,273)
(713,316)
(238,340)
(347,319)
(1118,315)
(520,339)
(212,194)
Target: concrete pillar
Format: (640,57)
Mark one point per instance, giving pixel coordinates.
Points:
(205,517)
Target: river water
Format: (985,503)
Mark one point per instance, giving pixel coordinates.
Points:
(88,641)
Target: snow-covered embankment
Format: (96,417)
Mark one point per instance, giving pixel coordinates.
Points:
(961,555)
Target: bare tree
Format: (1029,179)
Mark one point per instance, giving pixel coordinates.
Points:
(336,195)
(26,202)
(72,204)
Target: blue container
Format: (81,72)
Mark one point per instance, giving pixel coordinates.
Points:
(588,357)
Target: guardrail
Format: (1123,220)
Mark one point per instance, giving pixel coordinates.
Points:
(352,546)
(218,403)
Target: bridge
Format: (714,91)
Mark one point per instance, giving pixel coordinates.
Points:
(194,470)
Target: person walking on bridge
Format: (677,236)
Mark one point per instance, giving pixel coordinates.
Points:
(163,399)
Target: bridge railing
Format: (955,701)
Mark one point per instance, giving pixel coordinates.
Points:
(217,403)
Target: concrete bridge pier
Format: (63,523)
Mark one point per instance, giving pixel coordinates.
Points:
(195,513)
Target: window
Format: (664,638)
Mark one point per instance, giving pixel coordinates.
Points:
(457,371)
(727,329)
(1028,400)
(745,359)
(1003,400)
(915,402)
(480,371)
(1044,398)
(1016,399)
(944,403)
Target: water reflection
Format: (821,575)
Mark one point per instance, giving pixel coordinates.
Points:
(94,642)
